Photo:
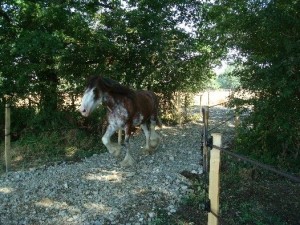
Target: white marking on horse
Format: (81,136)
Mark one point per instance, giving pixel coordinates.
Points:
(118,117)
(147,135)
(89,103)
(138,120)
(125,110)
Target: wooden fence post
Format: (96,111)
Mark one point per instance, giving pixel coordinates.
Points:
(200,100)
(201,94)
(120,136)
(178,106)
(214,180)
(208,97)
(7,154)
(205,115)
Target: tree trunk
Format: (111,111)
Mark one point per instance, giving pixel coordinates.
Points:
(49,92)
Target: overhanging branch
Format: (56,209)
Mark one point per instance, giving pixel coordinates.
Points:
(4,15)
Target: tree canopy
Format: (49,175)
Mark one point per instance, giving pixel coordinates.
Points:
(49,48)
(265,34)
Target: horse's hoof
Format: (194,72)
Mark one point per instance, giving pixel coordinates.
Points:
(127,162)
(154,143)
(115,149)
(147,151)
(117,154)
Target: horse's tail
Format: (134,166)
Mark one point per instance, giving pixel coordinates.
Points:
(156,118)
(157,109)
(158,122)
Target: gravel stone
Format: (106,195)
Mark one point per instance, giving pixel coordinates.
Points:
(99,191)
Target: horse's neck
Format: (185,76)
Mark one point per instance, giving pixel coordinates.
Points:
(117,103)
(108,100)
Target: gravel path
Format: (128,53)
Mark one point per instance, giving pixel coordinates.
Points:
(98,191)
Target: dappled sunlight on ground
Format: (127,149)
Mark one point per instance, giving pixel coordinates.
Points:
(6,190)
(111,176)
(97,207)
(47,202)
(98,191)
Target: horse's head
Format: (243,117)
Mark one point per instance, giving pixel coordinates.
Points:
(97,91)
(92,97)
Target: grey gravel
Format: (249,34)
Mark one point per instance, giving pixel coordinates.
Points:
(98,191)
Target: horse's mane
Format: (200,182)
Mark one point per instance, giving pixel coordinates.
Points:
(110,86)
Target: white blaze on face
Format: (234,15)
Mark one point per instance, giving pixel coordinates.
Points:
(88,103)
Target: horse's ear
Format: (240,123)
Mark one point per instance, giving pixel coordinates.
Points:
(91,81)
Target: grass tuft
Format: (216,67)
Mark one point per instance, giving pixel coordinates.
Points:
(34,150)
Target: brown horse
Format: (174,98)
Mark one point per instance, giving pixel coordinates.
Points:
(126,109)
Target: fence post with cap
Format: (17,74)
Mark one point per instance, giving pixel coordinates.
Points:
(205,115)
(214,180)
(7,137)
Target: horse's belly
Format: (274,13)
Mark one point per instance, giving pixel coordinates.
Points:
(137,120)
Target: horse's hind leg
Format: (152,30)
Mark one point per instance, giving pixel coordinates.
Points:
(128,160)
(113,148)
(154,137)
(147,149)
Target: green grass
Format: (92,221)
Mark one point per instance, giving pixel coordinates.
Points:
(248,196)
(33,150)
(253,196)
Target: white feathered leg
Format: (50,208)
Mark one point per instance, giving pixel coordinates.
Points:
(147,149)
(154,137)
(113,148)
(128,160)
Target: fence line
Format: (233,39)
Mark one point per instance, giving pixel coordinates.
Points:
(222,103)
(214,180)
(261,165)
(205,115)
(208,97)
(223,122)
(244,158)
(214,173)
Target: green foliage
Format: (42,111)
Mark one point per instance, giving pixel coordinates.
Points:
(253,196)
(247,196)
(212,84)
(252,212)
(52,146)
(265,35)
(165,56)
(49,48)
(67,136)
(227,80)
(162,218)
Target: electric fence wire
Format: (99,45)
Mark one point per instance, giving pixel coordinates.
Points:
(259,164)
(240,157)
(222,123)
(206,203)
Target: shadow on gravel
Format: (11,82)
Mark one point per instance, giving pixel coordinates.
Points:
(98,191)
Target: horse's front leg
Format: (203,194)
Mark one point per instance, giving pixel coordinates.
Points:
(154,137)
(128,160)
(113,148)
(147,149)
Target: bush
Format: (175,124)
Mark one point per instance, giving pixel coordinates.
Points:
(47,137)
(271,135)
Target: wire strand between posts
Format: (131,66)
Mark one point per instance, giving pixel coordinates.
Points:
(261,165)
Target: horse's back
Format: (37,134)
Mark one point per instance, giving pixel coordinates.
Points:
(147,103)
